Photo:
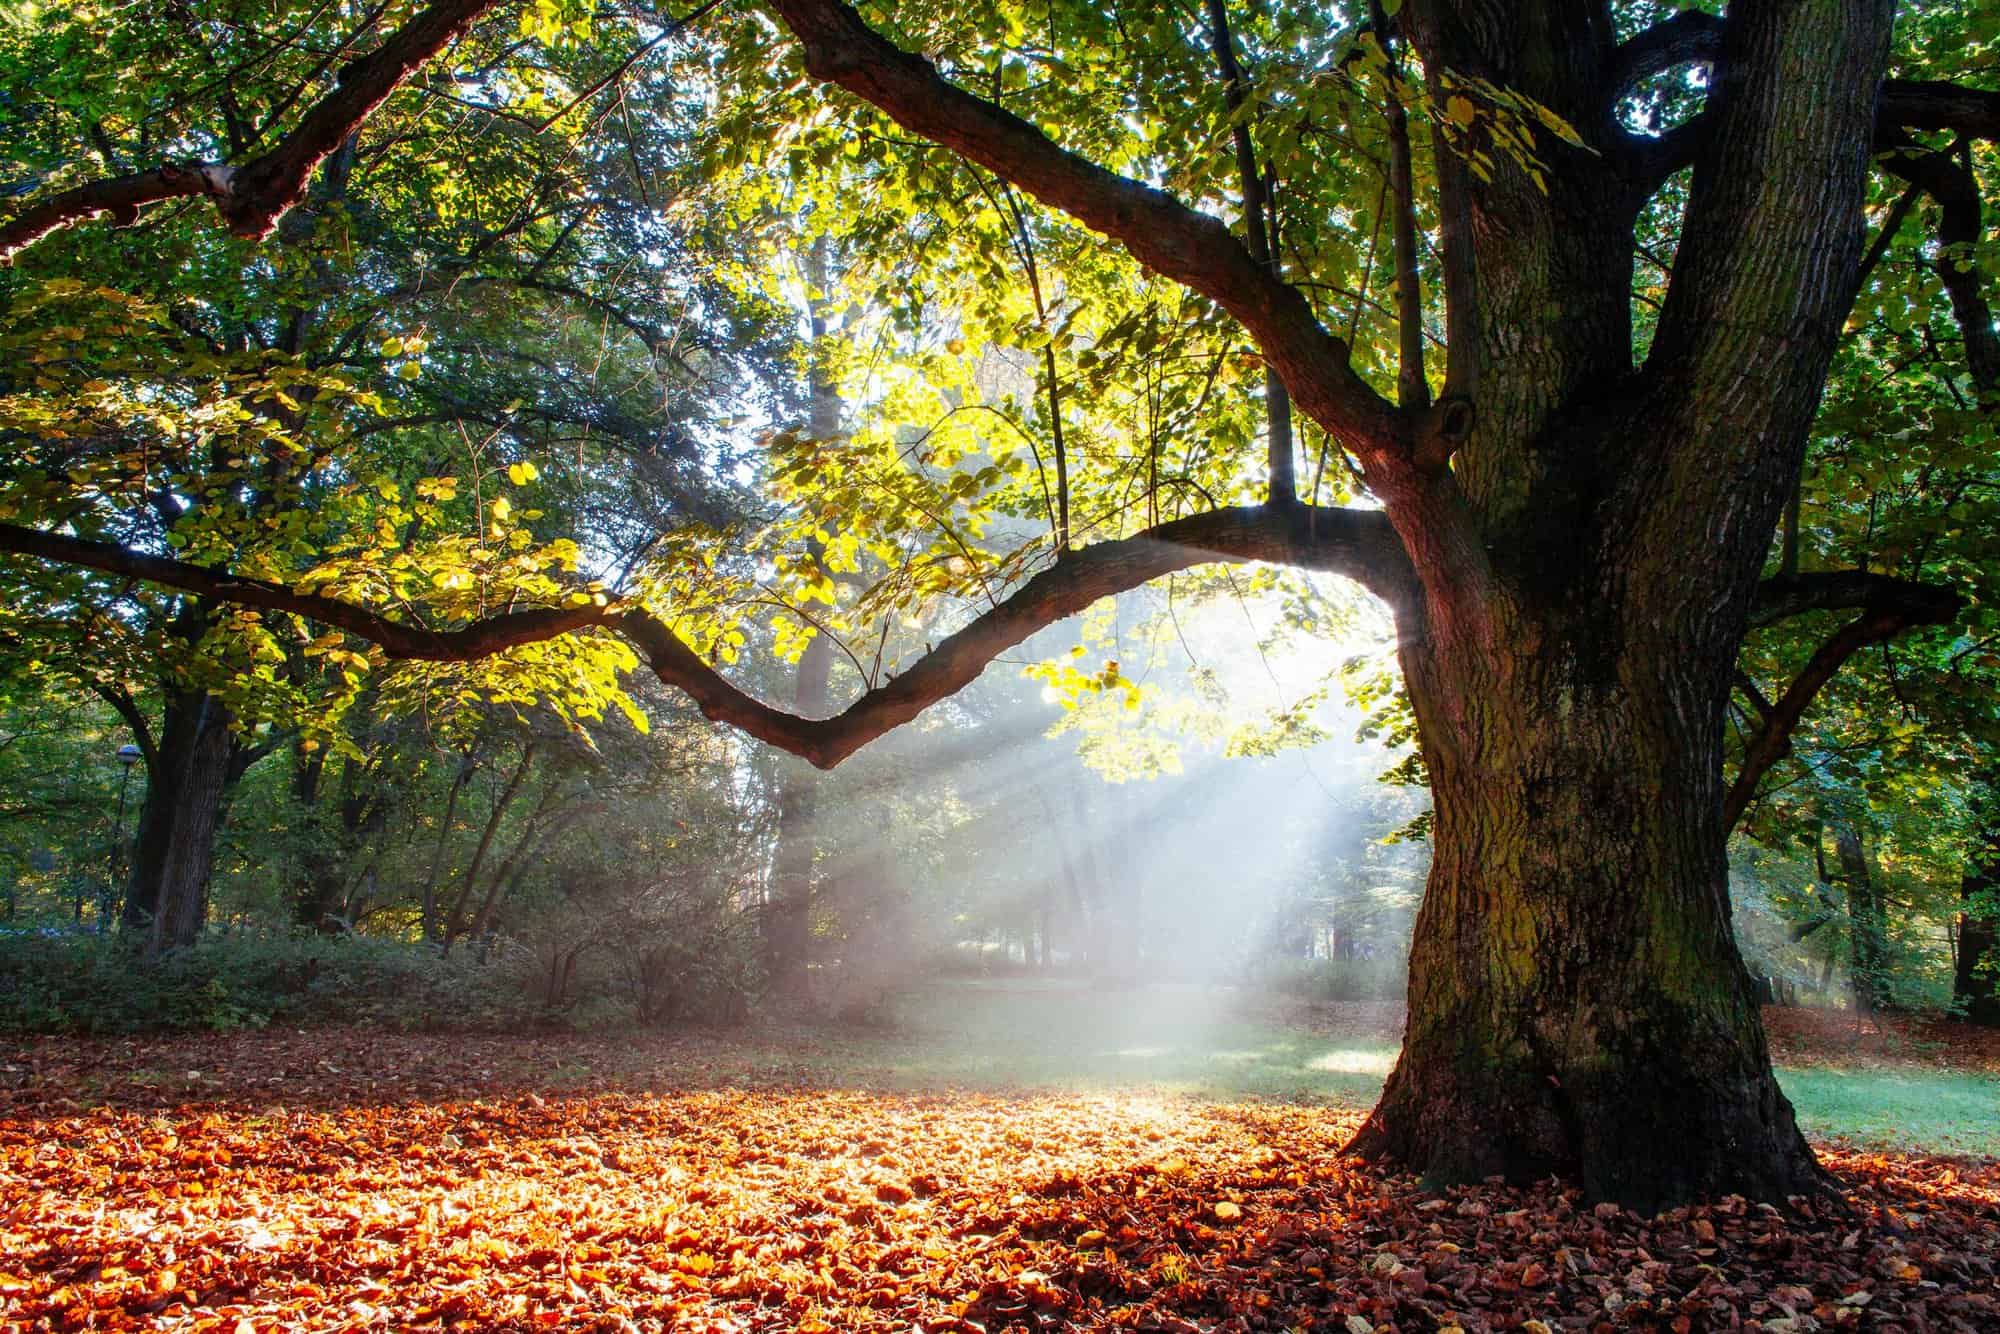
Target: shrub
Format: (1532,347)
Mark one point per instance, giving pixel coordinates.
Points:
(85,983)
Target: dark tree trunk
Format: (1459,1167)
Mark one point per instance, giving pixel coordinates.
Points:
(1976,983)
(1867,931)
(1577,1005)
(166,900)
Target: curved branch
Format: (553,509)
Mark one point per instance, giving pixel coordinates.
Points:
(1951,183)
(1692,37)
(1689,37)
(252,197)
(1356,543)
(1161,232)
(1359,544)
(1890,606)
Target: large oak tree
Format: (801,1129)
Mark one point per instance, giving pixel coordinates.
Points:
(1570,516)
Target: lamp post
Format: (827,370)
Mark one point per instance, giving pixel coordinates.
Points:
(128,755)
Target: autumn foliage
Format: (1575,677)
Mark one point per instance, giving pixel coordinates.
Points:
(358,1180)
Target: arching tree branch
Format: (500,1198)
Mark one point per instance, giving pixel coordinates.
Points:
(252,197)
(1356,543)
(1692,37)
(1689,37)
(1161,232)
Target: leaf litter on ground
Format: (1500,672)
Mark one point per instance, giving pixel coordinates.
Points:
(360,1180)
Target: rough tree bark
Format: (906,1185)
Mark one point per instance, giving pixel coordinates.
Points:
(1577,1003)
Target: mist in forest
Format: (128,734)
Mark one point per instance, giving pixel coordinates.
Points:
(1211,818)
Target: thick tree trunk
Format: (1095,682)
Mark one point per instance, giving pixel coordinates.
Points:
(1577,1005)
(166,900)
(1576,1001)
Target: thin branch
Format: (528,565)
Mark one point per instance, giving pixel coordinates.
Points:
(1947,178)
(1413,390)
(1281,487)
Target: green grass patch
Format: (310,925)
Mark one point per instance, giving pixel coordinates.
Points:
(1928,1112)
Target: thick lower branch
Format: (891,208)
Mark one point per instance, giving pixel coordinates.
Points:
(1932,104)
(1784,596)
(1359,544)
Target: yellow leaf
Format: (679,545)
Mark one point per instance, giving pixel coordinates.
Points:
(1460,109)
(520,474)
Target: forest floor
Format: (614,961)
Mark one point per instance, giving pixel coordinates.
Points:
(1021,1156)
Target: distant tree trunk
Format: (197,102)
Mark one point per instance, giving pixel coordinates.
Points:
(1976,988)
(1868,940)
(432,927)
(319,896)
(787,921)
(319,887)
(166,900)
(455,923)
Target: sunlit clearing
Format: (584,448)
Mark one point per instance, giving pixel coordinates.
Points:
(1142,810)
(1356,1062)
